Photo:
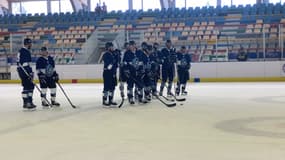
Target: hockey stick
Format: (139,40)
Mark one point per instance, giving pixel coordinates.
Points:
(122,96)
(122,102)
(167,104)
(121,89)
(177,99)
(168,99)
(31,79)
(72,105)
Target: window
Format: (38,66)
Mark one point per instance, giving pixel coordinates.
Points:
(147,4)
(193,4)
(65,6)
(29,7)
(112,5)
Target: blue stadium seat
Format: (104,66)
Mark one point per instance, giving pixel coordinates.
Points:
(221,16)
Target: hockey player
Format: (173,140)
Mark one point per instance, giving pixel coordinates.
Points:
(155,68)
(183,66)
(122,77)
(130,63)
(117,59)
(168,58)
(143,60)
(26,74)
(48,77)
(148,77)
(109,74)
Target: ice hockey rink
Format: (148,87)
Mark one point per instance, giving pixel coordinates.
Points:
(218,121)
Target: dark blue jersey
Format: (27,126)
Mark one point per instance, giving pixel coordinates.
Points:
(130,60)
(155,57)
(183,61)
(155,61)
(117,58)
(25,59)
(139,53)
(144,61)
(45,65)
(168,58)
(110,62)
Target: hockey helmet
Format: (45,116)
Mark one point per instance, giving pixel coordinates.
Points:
(44,49)
(149,47)
(155,45)
(132,43)
(27,41)
(108,45)
(168,41)
(144,45)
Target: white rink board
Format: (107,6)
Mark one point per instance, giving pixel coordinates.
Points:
(198,70)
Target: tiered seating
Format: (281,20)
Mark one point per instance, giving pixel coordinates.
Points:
(210,33)
(75,36)
(4,34)
(63,44)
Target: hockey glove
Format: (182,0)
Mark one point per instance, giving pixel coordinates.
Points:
(31,76)
(150,74)
(42,78)
(173,50)
(127,73)
(55,77)
(141,73)
(109,67)
(178,63)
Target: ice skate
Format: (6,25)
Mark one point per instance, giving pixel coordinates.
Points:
(29,107)
(45,104)
(54,103)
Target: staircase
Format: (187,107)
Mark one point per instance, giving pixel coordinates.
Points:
(92,50)
(227,36)
(117,38)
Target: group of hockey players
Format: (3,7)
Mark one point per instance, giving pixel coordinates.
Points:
(141,69)
(48,77)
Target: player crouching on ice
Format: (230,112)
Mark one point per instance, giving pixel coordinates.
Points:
(109,74)
(48,77)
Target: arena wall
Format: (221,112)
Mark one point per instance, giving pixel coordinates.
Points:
(200,72)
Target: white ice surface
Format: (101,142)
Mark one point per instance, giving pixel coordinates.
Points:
(219,121)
